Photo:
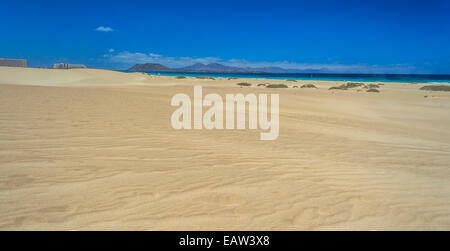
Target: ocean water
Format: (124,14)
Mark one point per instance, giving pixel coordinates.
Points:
(404,78)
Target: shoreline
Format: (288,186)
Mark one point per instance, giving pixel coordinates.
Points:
(341,77)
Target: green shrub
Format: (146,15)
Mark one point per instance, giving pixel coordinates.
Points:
(276,86)
(373,90)
(180,77)
(353,85)
(373,86)
(262,84)
(308,86)
(205,77)
(244,84)
(442,88)
(291,80)
(347,86)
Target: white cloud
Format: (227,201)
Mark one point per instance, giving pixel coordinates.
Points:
(111,50)
(127,59)
(104,29)
(142,58)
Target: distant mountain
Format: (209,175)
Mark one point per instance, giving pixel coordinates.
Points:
(194,67)
(150,67)
(215,67)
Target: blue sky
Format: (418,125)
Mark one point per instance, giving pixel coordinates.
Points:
(343,36)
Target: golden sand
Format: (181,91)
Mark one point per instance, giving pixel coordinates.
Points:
(95,150)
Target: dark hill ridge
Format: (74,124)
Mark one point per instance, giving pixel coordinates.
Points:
(150,67)
(215,67)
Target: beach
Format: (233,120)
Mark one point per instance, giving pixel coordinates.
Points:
(87,149)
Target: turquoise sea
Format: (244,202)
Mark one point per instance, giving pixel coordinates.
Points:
(407,78)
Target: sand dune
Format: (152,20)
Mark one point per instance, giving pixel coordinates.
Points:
(94,149)
(74,77)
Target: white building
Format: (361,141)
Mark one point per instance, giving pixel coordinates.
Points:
(13,62)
